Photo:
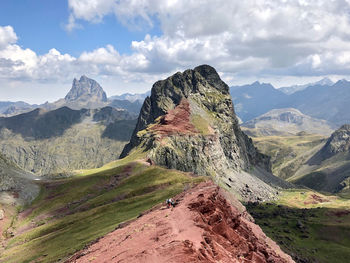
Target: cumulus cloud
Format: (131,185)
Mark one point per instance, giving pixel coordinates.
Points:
(270,37)
(250,38)
(7,36)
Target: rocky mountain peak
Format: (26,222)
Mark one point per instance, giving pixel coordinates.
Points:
(338,142)
(86,89)
(188,123)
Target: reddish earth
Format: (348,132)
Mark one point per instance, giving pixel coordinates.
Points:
(176,121)
(203,227)
(316,199)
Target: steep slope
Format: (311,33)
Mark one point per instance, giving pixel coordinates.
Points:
(286,122)
(205,226)
(15,180)
(64,139)
(188,123)
(256,99)
(70,213)
(329,168)
(288,153)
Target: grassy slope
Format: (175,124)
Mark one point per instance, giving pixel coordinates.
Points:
(307,229)
(288,153)
(70,213)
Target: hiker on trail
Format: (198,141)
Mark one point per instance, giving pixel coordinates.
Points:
(170,202)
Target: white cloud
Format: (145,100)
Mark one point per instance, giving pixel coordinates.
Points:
(7,36)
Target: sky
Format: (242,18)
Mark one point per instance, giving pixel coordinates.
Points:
(128,45)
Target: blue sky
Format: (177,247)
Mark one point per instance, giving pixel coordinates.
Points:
(128,45)
(40,27)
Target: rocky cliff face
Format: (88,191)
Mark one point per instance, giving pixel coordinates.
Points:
(86,89)
(188,123)
(339,142)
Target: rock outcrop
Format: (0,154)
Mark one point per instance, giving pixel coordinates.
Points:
(188,123)
(86,89)
(339,142)
(207,225)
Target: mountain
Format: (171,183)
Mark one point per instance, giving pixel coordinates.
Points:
(132,107)
(205,226)
(140,97)
(62,140)
(85,93)
(8,108)
(286,122)
(256,99)
(188,123)
(329,168)
(292,89)
(15,180)
(324,102)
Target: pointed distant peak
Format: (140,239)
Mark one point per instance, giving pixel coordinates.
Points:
(342,81)
(325,81)
(256,83)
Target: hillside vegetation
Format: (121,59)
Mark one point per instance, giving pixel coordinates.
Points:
(70,213)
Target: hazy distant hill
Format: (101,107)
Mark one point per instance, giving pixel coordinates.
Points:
(131,97)
(256,99)
(286,122)
(330,103)
(294,88)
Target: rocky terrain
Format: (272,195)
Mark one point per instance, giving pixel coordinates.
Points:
(58,141)
(16,186)
(188,123)
(328,169)
(206,225)
(286,122)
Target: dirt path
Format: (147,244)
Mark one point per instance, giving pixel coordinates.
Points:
(203,227)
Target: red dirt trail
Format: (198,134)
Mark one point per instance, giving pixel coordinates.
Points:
(203,227)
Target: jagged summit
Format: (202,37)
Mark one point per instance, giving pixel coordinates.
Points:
(86,89)
(188,123)
(339,142)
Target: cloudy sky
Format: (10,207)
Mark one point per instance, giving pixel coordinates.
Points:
(127,45)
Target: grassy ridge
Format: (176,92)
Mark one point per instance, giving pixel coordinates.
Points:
(70,213)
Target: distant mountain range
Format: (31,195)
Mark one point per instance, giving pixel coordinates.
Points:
(85,93)
(294,88)
(328,102)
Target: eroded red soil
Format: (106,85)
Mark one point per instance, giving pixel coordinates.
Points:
(203,227)
(176,121)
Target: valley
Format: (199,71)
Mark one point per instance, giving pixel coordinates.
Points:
(79,184)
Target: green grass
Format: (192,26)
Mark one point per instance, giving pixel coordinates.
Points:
(287,153)
(201,124)
(70,213)
(308,235)
(308,225)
